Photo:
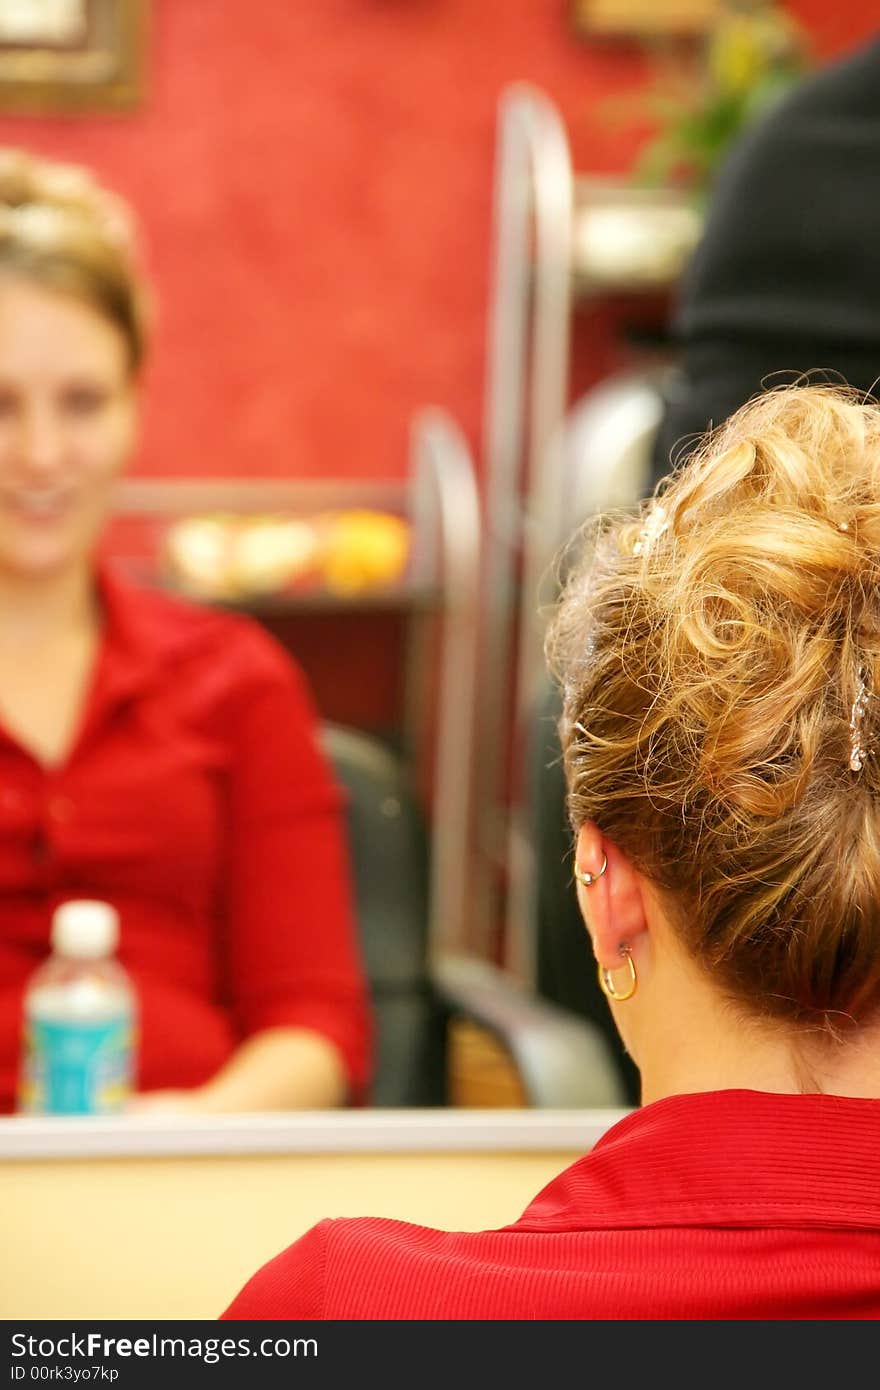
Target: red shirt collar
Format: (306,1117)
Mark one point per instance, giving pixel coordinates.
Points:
(130,619)
(136,641)
(732,1158)
(132,642)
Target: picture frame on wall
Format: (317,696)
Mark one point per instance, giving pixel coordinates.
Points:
(72,56)
(643,18)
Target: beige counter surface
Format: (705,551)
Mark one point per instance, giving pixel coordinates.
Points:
(149,1219)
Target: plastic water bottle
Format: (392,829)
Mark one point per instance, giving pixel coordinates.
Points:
(79,1019)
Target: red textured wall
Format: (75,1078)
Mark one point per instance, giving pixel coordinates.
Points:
(315,183)
(314,179)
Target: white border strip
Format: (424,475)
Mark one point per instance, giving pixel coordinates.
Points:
(307,1132)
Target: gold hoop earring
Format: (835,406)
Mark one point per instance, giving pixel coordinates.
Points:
(585,878)
(607,984)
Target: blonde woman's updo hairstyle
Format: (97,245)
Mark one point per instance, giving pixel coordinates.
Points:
(62,230)
(719,658)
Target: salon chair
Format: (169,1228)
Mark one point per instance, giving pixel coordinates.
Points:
(562,1061)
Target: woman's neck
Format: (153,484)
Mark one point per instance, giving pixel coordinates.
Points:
(36,610)
(689,1038)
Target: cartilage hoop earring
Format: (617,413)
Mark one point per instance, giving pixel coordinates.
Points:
(585,878)
(607,985)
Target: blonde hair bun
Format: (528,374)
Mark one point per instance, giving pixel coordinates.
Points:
(720,656)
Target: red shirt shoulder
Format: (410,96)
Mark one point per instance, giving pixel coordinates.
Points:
(730,1204)
(174,628)
(290,1286)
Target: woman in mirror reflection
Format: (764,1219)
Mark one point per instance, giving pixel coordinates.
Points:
(154,753)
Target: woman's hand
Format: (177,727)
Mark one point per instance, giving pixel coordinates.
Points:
(279,1069)
(169,1102)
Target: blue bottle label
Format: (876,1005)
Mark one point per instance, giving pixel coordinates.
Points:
(77,1068)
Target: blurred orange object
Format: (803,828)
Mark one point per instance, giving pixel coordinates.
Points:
(362,548)
(233,556)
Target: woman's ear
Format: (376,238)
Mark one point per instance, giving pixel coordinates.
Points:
(612,905)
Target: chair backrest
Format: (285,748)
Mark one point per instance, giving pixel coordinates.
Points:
(608,441)
(564,966)
(389,853)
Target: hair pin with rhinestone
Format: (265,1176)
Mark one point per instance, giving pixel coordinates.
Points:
(655,523)
(858,748)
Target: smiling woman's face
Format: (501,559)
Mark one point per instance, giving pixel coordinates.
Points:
(67,426)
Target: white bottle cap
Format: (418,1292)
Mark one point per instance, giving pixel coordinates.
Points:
(85,929)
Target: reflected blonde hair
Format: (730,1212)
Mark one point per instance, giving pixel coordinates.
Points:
(711,653)
(62,230)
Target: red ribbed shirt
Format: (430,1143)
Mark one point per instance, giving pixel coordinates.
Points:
(195,799)
(723,1205)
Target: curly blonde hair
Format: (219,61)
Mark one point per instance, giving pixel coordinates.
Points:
(720,663)
(63,230)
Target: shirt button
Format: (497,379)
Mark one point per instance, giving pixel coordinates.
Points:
(61,809)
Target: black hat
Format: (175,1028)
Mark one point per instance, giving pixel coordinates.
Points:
(786,279)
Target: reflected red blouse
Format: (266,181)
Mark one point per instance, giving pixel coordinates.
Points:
(724,1205)
(196,800)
